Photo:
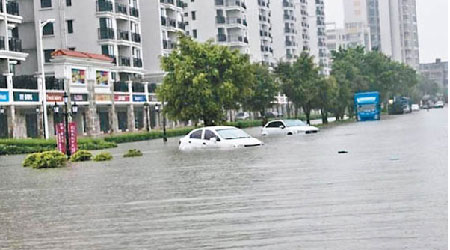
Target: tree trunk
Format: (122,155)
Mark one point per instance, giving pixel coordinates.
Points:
(295,111)
(323,113)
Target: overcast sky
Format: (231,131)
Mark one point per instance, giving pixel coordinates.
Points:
(432,18)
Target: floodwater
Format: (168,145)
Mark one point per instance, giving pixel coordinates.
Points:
(388,192)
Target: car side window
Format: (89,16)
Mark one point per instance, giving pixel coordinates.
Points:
(275,124)
(196,134)
(209,134)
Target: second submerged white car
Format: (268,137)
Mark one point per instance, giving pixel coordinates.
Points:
(218,137)
(288,127)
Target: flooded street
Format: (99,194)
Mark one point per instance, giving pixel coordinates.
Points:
(388,192)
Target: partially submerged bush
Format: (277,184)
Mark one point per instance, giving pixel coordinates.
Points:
(47,159)
(104,156)
(30,160)
(81,155)
(133,153)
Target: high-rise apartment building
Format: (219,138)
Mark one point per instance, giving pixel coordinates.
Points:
(393,26)
(352,36)
(163,20)
(259,29)
(222,21)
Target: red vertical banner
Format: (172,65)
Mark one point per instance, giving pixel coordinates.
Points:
(73,142)
(61,137)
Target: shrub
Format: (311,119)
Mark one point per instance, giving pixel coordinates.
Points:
(81,155)
(30,160)
(133,153)
(47,159)
(104,156)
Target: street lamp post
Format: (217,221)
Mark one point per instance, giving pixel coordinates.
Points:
(43,87)
(66,113)
(146,107)
(157,109)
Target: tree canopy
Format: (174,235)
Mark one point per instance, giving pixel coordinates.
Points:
(203,81)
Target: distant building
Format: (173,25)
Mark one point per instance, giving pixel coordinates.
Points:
(437,72)
(352,36)
(393,26)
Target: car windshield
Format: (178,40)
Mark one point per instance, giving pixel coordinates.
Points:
(292,123)
(232,133)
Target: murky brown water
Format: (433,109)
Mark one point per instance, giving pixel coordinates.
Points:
(388,192)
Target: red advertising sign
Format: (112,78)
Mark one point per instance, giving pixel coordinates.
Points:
(55,97)
(61,137)
(73,144)
(121,98)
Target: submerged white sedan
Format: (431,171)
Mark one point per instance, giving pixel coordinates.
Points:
(288,127)
(217,137)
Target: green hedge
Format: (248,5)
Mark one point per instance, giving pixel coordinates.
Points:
(143,136)
(27,146)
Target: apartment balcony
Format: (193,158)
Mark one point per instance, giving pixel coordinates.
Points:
(25,82)
(134,12)
(12,8)
(124,61)
(287,4)
(15,49)
(221,38)
(123,35)
(104,6)
(15,44)
(121,9)
(167,44)
(231,4)
(137,62)
(289,30)
(135,37)
(52,83)
(138,87)
(231,22)
(121,87)
(105,33)
(290,43)
(3,82)
(289,18)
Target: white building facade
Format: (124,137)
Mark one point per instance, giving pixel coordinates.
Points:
(392,24)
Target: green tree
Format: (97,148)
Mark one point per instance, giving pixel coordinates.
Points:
(326,97)
(203,81)
(356,71)
(264,90)
(299,82)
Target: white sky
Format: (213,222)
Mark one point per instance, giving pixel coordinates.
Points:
(432,18)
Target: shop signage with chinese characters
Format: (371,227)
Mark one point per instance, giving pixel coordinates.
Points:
(139,98)
(79,97)
(102,98)
(4,96)
(55,97)
(121,98)
(25,96)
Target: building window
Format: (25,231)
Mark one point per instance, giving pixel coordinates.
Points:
(48,54)
(194,33)
(68,3)
(193,15)
(46,3)
(48,29)
(70,26)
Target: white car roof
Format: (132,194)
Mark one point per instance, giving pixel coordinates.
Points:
(216,128)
